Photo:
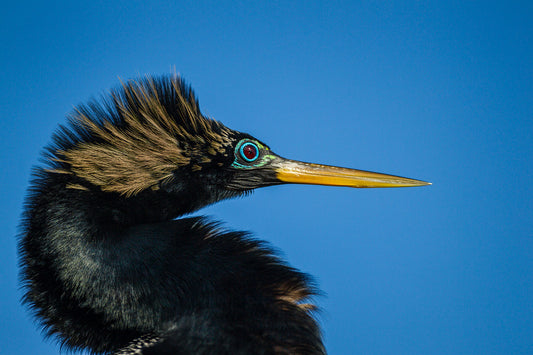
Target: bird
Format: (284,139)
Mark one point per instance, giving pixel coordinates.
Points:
(110,261)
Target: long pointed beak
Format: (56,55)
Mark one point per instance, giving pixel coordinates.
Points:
(291,171)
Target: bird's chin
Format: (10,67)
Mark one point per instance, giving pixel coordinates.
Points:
(246,181)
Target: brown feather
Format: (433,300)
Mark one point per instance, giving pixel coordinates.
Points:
(149,144)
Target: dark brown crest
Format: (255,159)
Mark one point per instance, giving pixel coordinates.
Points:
(139,135)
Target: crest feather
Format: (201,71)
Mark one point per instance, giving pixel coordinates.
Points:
(137,136)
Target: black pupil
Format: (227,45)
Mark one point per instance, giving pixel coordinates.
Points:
(249,151)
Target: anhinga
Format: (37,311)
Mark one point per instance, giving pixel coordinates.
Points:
(107,267)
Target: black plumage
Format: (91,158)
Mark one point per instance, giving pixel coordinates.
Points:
(107,267)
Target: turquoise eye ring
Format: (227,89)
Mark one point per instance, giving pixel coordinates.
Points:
(249,151)
(250,154)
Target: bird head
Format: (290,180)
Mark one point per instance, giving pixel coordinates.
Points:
(150,135)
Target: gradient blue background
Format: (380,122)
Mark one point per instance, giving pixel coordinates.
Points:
(440,91)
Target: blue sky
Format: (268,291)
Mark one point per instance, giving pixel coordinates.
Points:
(439,91)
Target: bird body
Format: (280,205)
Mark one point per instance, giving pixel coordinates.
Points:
(110,265)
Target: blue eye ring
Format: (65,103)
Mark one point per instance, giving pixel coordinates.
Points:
(245,151)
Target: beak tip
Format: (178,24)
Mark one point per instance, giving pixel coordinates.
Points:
(423,183)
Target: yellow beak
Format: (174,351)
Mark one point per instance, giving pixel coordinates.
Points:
(291,171)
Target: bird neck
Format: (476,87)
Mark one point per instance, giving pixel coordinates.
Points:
(92,261)
(103,270)
(164,203)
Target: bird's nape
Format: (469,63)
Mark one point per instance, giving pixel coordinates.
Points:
(107,267)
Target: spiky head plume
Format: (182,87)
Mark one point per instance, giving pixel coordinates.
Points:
(137,136)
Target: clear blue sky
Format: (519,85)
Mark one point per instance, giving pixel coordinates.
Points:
(439,91)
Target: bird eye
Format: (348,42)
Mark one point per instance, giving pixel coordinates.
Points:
(249,151)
